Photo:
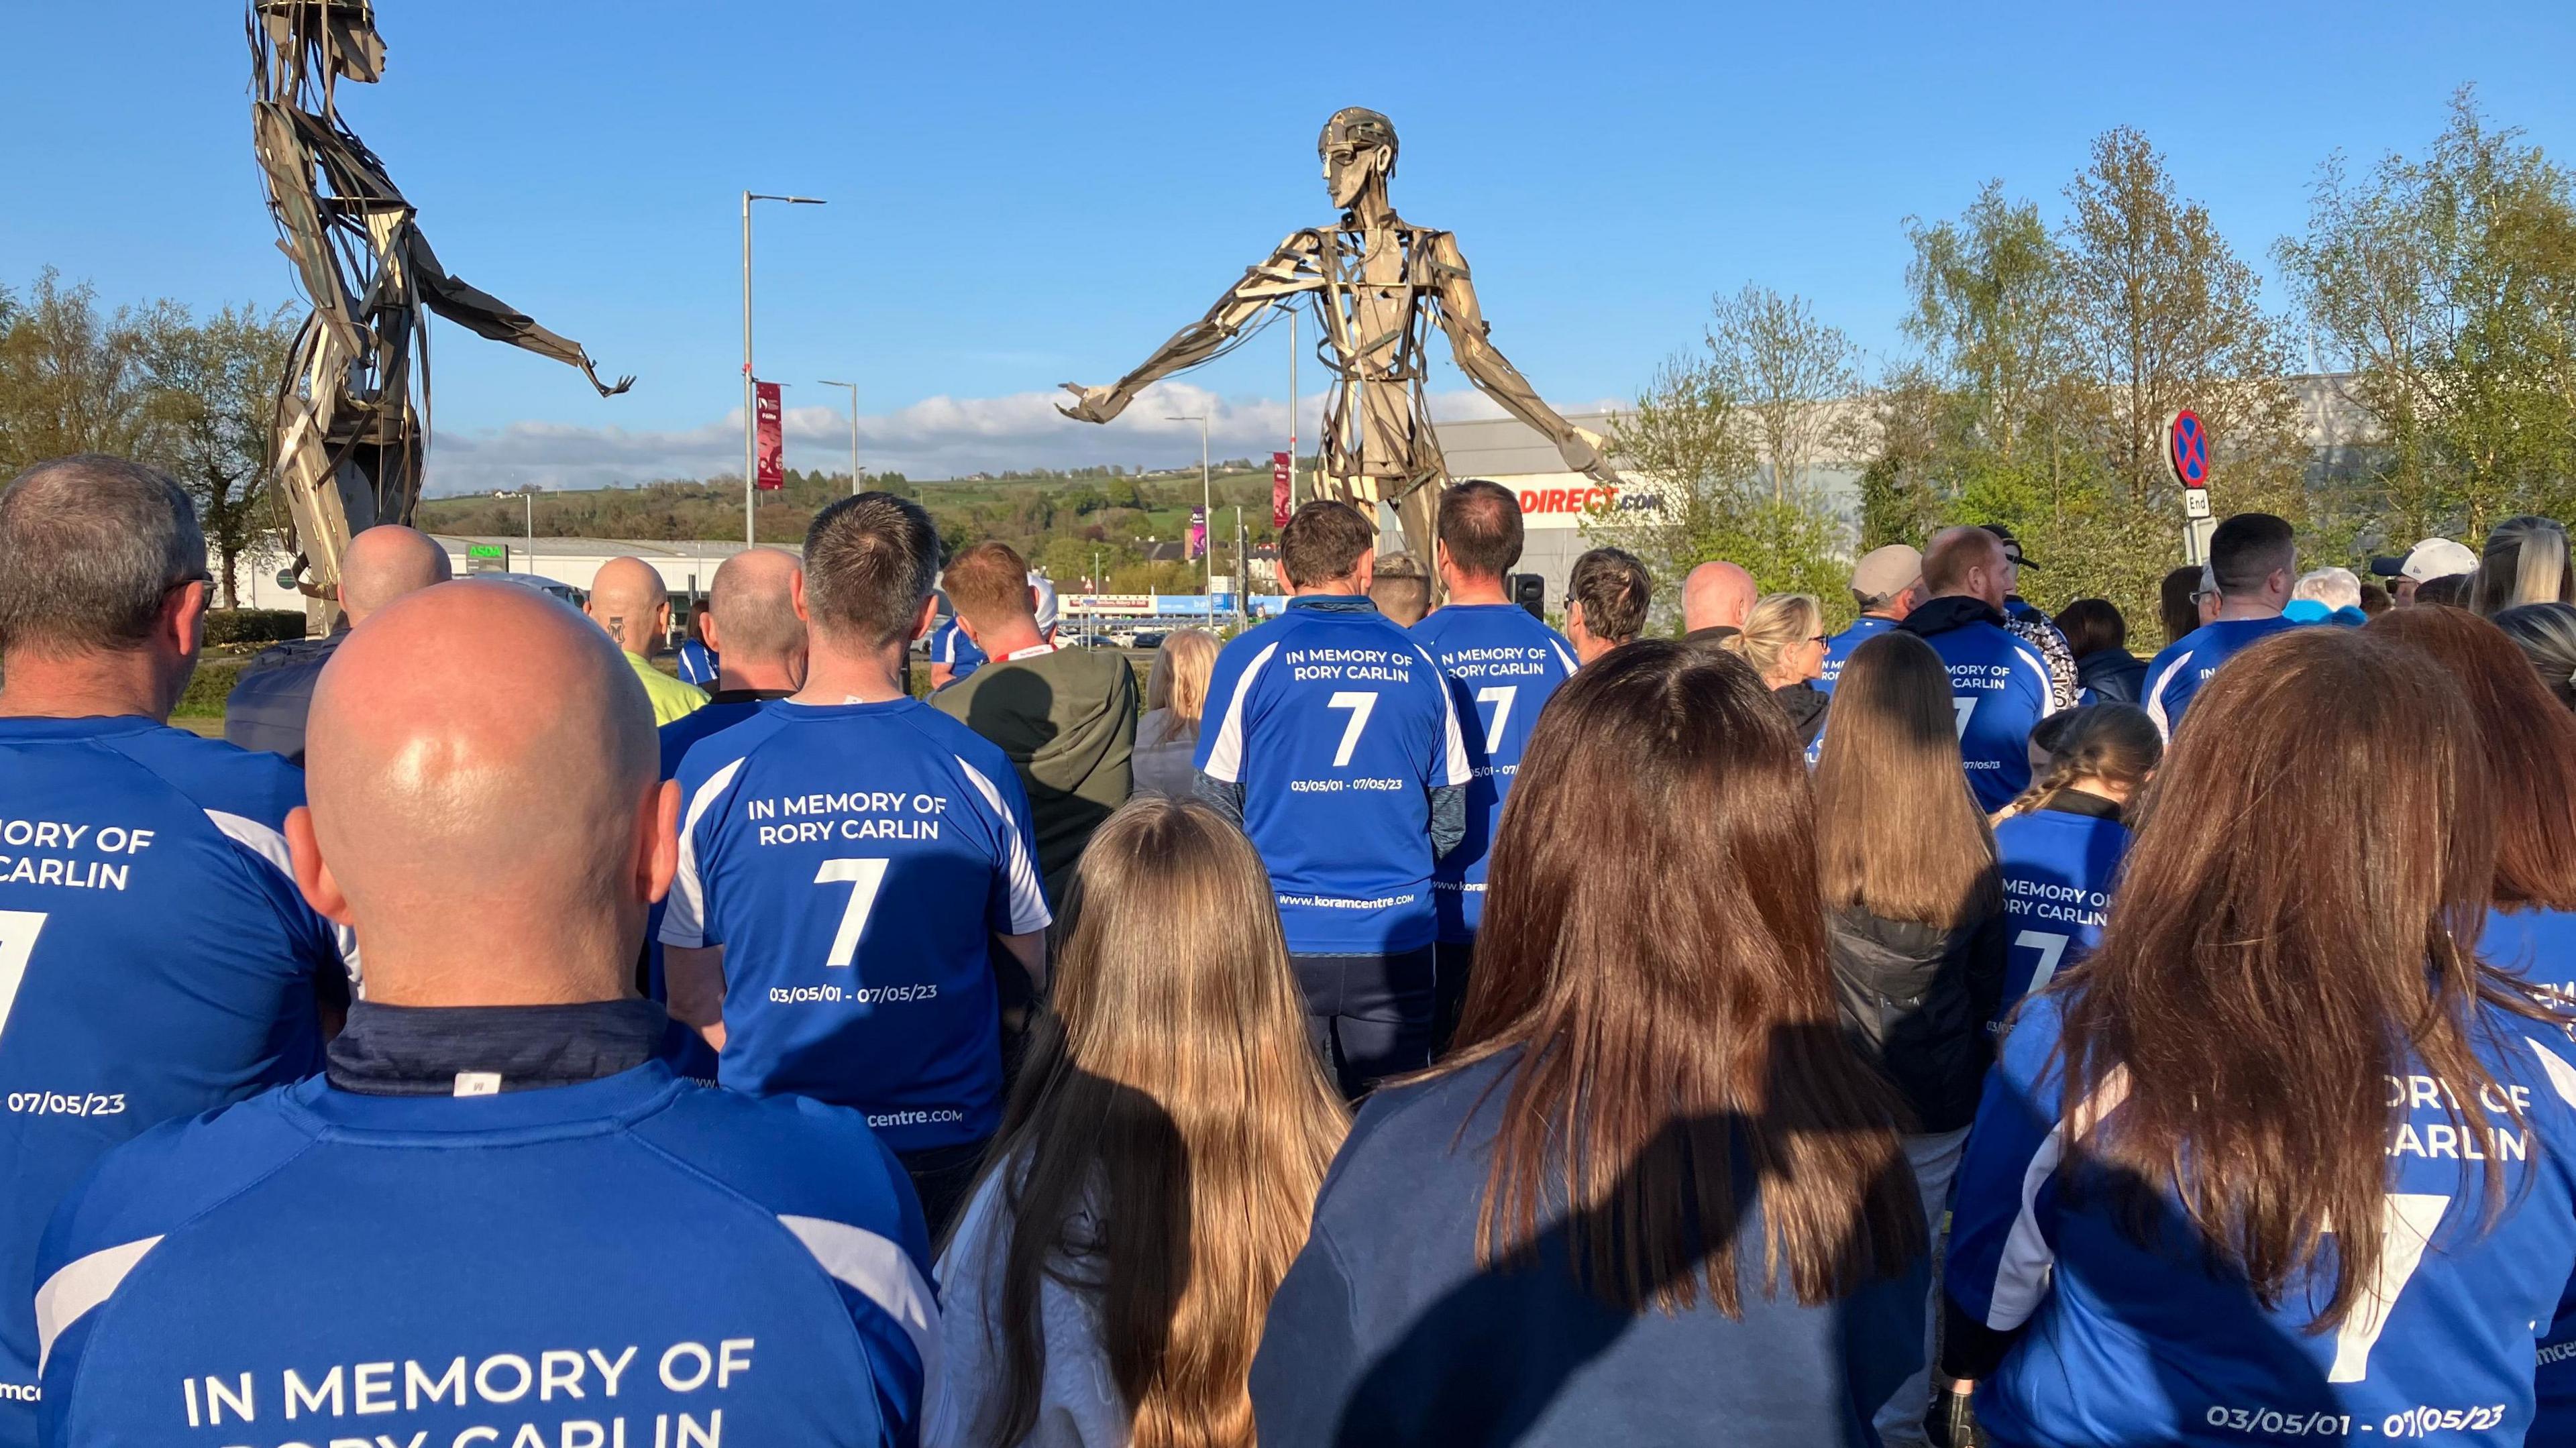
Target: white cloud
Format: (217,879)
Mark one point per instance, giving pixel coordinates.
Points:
(938,437)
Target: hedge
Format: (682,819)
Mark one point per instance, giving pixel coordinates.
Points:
(253,626)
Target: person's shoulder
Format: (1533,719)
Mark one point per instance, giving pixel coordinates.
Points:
(707,753)
(1411,1124)
(790,1155)
(217,777)
(177,1172)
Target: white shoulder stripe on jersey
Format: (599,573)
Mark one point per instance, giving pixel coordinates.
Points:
(81,1285)
(1225,756)
(1562,656)
(2562,1077)
(2022,1273)
(881,1273)
(270,847)
(2047,681)
(1453,762)
(2156,695)
(1028,894)
(684,915)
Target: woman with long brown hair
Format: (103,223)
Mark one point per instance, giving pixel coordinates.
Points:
(1157,1163)
(1915,916)
(1653,1197)
(2284,1159)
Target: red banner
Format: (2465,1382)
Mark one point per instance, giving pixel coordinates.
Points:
(1282,480)
(769,443)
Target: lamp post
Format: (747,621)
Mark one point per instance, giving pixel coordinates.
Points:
(527,495)
(1207,510)
(750,404)
(854,431)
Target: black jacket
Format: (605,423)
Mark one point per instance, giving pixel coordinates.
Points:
(1806,705)
(2115,676)
(1915,999)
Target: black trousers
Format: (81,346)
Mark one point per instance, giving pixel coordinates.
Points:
(1449,988)
(1371,1016)
(941,1176)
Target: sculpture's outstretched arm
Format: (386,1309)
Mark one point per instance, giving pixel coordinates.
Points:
(486,315)
(1493,373)
(1290,270)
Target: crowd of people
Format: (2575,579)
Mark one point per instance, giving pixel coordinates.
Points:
(1399,1023)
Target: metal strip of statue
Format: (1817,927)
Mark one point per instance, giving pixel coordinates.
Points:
(1375,280)
(352,418)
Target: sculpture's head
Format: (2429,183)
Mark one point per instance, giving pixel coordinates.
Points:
(340,33)
(1358,144)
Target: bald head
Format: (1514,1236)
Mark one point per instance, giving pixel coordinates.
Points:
(383,564)
(1966,563)
(751,609)
(485,856)
(629,599)
(1717,595)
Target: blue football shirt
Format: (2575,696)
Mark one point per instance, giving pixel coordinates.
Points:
(1839,648)
(1999,690)
(2057,867)
(1337,725)
(634,1260)
(2540,947)
(950,646)
(1501,666)
(855,861)
(2175,675)
(697,664)
(2128,1343)
(156,960)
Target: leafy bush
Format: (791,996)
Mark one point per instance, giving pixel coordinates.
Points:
(253,626)
(214,680)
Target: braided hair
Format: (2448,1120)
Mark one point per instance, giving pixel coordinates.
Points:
(2116,743)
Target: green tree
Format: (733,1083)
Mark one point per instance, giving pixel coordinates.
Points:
(70,378)
(210,390)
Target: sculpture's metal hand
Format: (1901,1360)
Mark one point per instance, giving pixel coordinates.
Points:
(1290,271)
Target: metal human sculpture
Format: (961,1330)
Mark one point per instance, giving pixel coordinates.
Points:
(350,433)
(1376,280)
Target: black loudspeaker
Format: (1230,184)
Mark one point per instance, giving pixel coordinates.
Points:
(1530,592)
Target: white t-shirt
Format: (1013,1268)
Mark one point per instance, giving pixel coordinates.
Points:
(1078,1401)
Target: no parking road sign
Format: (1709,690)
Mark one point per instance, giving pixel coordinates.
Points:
(2187,449)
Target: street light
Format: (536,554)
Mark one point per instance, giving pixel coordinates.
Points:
(529,495)
(1207,510)
(854,431)
(750,404)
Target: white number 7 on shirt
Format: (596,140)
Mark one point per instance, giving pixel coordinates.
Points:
(1360,704)
(18,932)
(2407,1220)
(863,878)
(1500,696)
(1963,709)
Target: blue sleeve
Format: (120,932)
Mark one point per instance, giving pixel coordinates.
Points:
(708,779)
(1310,1362)
(1222,718)
(2002,1217)
(1017,903)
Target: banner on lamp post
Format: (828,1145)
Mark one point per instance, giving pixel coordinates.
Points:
(769,448)
(1198,534)
(1283,472)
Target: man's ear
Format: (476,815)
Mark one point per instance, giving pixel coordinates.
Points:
(973,635)
(183,618)
(707,630)
(1364,572)
(312,873)
(924,621)
(796,596)
(658,857)
(1573,617)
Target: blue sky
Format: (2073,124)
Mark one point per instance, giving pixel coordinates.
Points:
(1026,194)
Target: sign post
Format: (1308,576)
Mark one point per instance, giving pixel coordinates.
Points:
(2185,446)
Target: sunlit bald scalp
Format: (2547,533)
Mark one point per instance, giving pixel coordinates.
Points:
(517,796)
(1717,593)
(1953,552)
(625,596)
(753,599)
(386,562)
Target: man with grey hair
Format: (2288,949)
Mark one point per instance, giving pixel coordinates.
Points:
(156,960)
(267,706)
(2326,595)
(850,860)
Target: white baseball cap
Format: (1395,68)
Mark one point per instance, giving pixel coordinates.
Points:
(2437,558)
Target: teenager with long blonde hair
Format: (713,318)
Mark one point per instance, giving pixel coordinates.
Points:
(1156,1167)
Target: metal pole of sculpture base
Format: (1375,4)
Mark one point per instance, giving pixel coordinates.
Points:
(1378,283)
(351,429)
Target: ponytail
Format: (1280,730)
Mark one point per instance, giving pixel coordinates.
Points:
(2115,743)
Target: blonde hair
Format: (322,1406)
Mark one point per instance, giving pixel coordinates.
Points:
(2525,562)
(1169,1132)
(1178,681)
(1779,623)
